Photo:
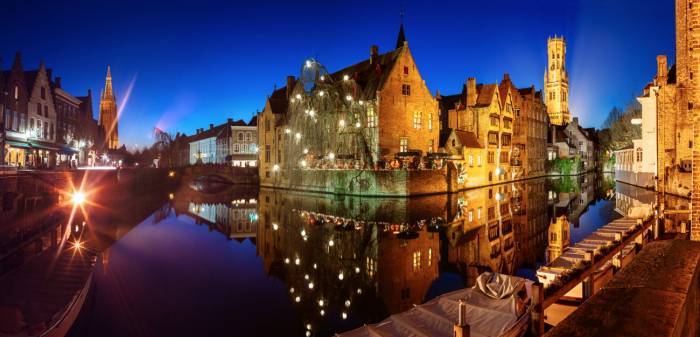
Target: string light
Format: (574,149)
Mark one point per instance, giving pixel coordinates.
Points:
(348,97)
(297,135)
(346,77)
(320,93)
(340,276)
(357,125)
(297,261)
(286,261)
(331,243)
(303,163)
(331,156)
(275,226)
(342,123)
(344,315)
(298,96)
(311,285)
(347,303)
(306,151)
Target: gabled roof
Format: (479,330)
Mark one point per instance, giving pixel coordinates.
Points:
(486,92)
(209,133)
(449,102)
(468,139)
(279,101)
(370,76)
(253,121)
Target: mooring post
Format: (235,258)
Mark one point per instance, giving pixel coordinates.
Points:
(461,329)
(537,310)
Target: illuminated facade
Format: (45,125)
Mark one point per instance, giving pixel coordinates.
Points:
(109,124)
(556,82)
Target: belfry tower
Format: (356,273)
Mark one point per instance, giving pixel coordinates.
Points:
(556,82)
(108,115)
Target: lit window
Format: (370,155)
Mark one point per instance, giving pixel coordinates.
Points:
(430,256)
(403,144)
(471,215)
(416,260)
(471,160)
(371,117)
(430,121)
(417,120)
(478,213)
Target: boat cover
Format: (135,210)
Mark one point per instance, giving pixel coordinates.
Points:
(487,316)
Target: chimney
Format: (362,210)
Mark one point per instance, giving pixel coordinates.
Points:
(661,70)
(373,53)
(575,121)
(58,82)
(211,126)
(230,120)
(471,91)
(290,85)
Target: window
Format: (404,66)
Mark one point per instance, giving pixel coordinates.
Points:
(244,148)
(235,148)
(46,110)
(478,159)
(471,160)
(639,154)
(38,109)
(417,120)
(490,178)
(505,140)
(267,153)
(494,121)
(478,213)
(371,117)
(430,146)
(430,121)
(506,123)
(493,138)
(248,136)
(403,144)
(416,260)
(240,136)
(16,92)
(471,215)
(405,70)
(492,157)
(430,257)
(492,212)
(504,156)
(406,89)
(43,93)
(454,142)
(267,125)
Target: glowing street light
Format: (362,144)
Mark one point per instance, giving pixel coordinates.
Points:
(78,198)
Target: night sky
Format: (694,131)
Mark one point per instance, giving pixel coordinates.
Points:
(191,63)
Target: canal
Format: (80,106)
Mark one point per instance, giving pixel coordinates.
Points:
(196,259)
(217,260)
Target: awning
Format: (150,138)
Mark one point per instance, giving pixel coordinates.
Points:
(21,145)
(67,150)
(43,146)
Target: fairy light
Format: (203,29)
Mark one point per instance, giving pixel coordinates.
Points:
(331,156)
(303,163)
(311,285)
(346,77)
(331,243)
(342,123)
(297,261)
(348,97)
(297,136)
(275,226)
(341,276)
(306,151)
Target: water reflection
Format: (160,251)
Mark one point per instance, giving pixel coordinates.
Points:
(322,264)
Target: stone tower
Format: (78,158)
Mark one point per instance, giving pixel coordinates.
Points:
(556,82)
(688,90)
(108,114)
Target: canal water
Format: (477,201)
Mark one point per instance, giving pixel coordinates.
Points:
(238,261)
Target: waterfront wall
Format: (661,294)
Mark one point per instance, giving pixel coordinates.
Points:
(367,182)
(232,174)
(658,295)
(641,179)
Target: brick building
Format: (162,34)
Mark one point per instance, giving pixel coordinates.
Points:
(401,114)
(687,53)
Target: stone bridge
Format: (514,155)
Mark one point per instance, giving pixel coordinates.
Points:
(224,173)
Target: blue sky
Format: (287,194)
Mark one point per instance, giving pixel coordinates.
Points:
(192,63)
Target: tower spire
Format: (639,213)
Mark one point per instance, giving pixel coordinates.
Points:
(108,84)
(401,39)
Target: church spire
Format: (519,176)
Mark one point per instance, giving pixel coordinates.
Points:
(401,39)
(108,84)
